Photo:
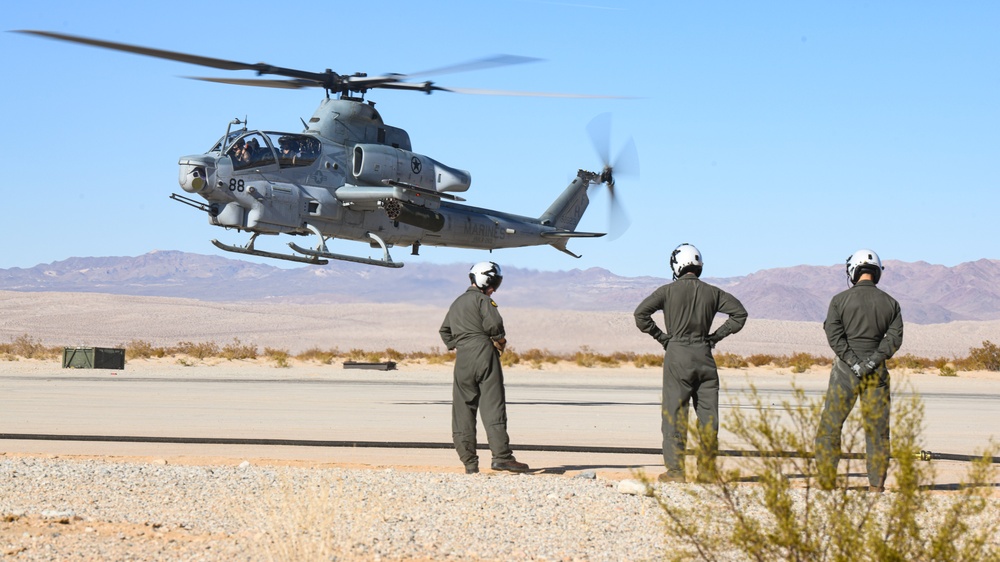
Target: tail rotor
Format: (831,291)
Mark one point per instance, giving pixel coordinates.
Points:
(625,164)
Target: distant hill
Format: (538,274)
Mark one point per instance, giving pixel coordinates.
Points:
(929,294)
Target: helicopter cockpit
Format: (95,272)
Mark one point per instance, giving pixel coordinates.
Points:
(254,149)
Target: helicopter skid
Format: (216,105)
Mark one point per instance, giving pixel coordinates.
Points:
(316,254)
(313,260)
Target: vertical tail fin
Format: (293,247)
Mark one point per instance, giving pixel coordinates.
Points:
(567,210)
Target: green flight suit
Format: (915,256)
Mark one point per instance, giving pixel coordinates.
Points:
(689,372)
(471,325)
(863,324)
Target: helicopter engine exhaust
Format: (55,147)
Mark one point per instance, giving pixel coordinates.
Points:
(376,164)
(412,215)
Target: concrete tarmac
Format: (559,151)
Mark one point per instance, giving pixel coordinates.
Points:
(568,406)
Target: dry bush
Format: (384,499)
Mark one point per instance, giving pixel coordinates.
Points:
(142,349)
(730,361)
(772,507)
(648,360)
(363,356)
(762,360)
(509,357)
(239,350)
(391,354)
(986,357)
(909,361)
(324,357)
(279,356)
(29,348)
(588,358)
(801,362)
(200,350)
(437,357)
(306,516)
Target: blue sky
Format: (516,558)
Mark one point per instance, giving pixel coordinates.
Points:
(770,134)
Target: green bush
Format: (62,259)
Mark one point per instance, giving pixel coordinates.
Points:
(772,508)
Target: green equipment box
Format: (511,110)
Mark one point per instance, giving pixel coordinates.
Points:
(93,358)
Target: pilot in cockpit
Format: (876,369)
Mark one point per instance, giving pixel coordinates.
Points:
(289,150)
(239,153)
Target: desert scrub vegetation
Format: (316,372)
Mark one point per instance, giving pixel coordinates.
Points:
(771,507)
(27,347)
(985,357)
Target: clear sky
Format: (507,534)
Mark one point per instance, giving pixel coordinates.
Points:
(770,134)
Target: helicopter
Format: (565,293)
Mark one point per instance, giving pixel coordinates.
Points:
(351,176)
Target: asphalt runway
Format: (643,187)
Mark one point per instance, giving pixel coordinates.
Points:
(583,407)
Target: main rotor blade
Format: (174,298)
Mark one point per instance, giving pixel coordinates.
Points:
(479,64)
(260,67)
(481,92)
(260,82)
(157,53)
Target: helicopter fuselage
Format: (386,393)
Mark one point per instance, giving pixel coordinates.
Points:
(351,176)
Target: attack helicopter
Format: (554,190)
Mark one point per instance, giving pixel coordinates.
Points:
(351,176)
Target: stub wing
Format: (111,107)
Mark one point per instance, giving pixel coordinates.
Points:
(561,234)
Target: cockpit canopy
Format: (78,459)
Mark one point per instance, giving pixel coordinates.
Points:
(253,149)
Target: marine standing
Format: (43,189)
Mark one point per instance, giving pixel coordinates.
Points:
(474,328)
(689,372)
(864,327)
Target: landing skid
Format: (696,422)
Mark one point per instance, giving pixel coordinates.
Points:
(250,250)
(322,252)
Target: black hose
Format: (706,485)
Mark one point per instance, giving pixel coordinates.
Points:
(923,455)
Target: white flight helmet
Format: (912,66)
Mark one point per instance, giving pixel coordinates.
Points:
(864,261)
(486,274)
(686,258)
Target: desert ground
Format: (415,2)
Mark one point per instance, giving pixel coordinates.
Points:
(101,320)
(105,500)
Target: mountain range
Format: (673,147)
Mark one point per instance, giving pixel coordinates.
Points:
(928,293)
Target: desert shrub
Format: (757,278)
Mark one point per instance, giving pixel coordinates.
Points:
(279,356)
(801,362)
(318,355)
(363,356)
(437,357)
(761,360)
(142,349)
(947,370)
(772,508)
(986,357)
(730,361)
(909,361)
(393,355)
(509,357)
(200,350)
(648,360)
(239,350)
(29,348)
(588,358)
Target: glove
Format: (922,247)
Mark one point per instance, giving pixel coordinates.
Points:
(870,366)
(864,369)
(500,345)
(858,370)
(713,339)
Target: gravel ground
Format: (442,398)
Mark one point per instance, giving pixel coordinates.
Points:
(62,509)
(100,509)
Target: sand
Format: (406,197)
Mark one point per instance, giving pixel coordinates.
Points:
(101,320)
